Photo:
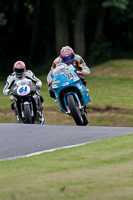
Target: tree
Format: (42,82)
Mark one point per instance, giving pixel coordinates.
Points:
(120,4)
(2,19)
(61,25)
(35,28)
(79,28)
(63,20)
(100,20)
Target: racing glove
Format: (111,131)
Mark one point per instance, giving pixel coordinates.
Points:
(50,83)
(79,73)
(37,88)
(10,92)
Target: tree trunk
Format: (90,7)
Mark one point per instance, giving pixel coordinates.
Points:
(35,30)
(79,28)
(61,25)
(100,23)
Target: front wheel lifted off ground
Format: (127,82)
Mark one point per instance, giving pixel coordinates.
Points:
(85,119)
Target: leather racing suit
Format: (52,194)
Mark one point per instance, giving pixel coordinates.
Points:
(11,79)
(78,63)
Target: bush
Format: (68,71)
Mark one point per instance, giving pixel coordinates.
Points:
(100,51)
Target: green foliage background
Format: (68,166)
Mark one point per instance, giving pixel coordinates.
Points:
(28,33)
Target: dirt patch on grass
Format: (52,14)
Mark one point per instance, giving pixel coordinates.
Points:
(103,109)
(98,116)
(57,118)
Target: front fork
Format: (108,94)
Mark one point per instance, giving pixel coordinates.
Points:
(77,100)
(22,108)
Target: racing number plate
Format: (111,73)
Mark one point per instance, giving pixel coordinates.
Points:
(23,90)
(69,75)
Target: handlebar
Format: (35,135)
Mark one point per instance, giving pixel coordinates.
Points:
(79,73)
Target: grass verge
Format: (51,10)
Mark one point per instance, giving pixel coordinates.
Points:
(111,92)
(99,170)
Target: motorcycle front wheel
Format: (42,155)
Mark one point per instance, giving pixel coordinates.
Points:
(27,114)
(85,119)
(76,114)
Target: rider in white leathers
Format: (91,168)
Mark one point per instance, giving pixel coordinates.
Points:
(20,72)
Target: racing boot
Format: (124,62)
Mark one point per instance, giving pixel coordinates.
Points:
(13,107)
(41,117)
(18,120)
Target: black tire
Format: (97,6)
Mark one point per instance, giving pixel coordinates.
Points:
(27,114)
(76,114)
(85,119)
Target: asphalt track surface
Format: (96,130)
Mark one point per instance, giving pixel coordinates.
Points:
(20,140)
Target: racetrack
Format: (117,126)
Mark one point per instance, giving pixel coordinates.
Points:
(20,140)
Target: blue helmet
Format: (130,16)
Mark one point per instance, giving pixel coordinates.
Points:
(67,54)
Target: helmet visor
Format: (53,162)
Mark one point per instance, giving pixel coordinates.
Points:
(19,70)
(68,60)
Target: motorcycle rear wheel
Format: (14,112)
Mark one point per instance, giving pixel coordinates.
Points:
(76,114)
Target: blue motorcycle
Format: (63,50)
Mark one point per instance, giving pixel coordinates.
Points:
(70,93)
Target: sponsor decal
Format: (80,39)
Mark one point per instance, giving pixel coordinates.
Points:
(79,86)
(76,78)
(56,81)
(54,86)
(67,83)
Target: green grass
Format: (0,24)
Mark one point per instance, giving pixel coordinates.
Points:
(99,170)
(108,91)
(114,68)
(110,86)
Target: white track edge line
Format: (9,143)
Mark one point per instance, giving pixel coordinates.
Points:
(45,151)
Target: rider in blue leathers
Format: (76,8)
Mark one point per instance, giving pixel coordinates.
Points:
(68,56)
